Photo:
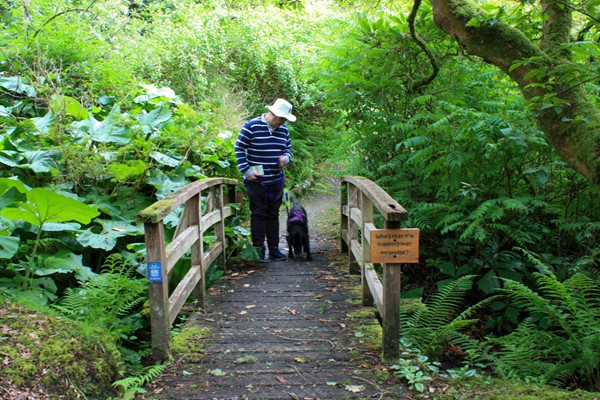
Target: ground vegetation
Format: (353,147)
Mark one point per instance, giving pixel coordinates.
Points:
(108,106)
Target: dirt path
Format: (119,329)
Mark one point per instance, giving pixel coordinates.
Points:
(322,205)
(281,330)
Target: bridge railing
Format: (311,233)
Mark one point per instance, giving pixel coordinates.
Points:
(360,197)
(204,206)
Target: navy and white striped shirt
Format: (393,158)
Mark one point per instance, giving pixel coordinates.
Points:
(258,144)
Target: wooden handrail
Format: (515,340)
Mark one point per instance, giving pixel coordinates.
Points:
(188,236)
(360,197)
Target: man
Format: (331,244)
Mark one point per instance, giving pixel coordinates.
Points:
(262,148)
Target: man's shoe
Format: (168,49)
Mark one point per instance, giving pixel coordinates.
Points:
(276,255)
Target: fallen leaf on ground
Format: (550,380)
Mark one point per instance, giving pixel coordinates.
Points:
(217,372)
(355,388)
(246,360)
(281,379)
(300,360)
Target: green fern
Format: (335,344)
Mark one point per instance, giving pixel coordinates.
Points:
(133,385)
(108,300)
(440,321)
(559,342)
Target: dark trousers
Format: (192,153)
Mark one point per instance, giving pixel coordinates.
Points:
(265,201)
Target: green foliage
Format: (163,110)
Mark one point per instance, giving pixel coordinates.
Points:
(110,301)
(419,371)
(463,156)
(440,322)
(120,104)
(559,341)
(133,385)
(41,210)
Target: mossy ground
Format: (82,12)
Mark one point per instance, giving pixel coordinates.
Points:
(496,389)
(46,357)
(185,343)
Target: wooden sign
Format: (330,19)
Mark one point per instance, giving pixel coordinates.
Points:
(395,246)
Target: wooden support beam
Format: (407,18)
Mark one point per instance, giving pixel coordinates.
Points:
(158,292)
(391,305)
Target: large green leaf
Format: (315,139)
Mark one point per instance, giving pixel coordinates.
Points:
(17,84)
(59,103)
(44,123)
(154,119)
(107,239)
(5,112)
(107,131)
(46,206)
(214,158)
(10,158)
(61,226)
(164,185)
(133,169)
(8,246)
(64,262)
(40,160)
(156,95)
(164,159)
(10,197)
(7,183)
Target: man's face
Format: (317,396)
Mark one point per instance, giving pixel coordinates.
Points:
(278,121)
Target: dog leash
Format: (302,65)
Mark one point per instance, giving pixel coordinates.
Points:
(285,191)
(286,199)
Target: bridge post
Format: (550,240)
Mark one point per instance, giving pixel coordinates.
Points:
(195,208)
(158,291)
(353,198)
(367,217)
(220,227)
(344,218)
(391,305)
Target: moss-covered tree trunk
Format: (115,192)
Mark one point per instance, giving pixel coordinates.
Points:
(572,126)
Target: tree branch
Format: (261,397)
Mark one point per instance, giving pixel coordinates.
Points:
(573,129)
(79,10)
(418,85)
(556,28)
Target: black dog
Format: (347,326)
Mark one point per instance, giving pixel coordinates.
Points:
(297,229)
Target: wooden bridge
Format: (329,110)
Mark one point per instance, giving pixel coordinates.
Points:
(280,329)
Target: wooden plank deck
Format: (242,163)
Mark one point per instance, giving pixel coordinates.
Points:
(281,330)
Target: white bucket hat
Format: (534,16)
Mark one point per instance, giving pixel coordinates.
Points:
(282,109)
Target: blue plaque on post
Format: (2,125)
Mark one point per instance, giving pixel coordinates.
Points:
(154,272)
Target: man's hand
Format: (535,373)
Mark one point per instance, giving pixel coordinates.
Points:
(283,161)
